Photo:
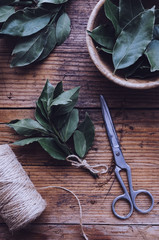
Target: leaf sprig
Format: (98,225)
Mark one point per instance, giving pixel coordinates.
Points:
(131,35)
(37,26)
(56,123)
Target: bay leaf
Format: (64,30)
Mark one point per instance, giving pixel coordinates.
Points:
(128,72)
(58,89)
(42,120)
(40,108)
(157,16)
(27,127)
(128,10)
(28,50)
(63,28)
(79,143)
(52,1)
(6,2)
(6,12)
(112,13)
(54,148)
(133,40)
(156,32)
(45,98)
(50,41)
(104,36)
(70,125)
(59,121)
(27,141)
(153,57)
(26,22)
(87,128)
(62,109)
(109,51)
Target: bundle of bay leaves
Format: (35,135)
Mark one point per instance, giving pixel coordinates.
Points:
(56,126)
(37,26)
(130,35)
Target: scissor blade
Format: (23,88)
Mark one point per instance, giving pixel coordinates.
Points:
(113,138)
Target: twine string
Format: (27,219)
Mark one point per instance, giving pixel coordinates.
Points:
(82,163)
(79,204)
(20,203)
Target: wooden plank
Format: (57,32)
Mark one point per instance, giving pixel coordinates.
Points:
(20,87)
(137,131)
(139,138)
(72,232)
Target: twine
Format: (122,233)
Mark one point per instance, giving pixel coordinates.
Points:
(20,203)
(82,163)
(79,204)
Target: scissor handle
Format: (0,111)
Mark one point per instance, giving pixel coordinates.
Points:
(132,197)
(126,198)
(134,194)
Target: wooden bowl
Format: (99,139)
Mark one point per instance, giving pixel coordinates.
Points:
(106,66)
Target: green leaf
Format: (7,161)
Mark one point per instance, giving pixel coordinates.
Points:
(26,22)
(157,16)
(112,13)
(128,10)
(58,89)
(50,42)
(128,72)
(156,32)
(59,121)
(27,127)
(52,1)
(42,120)
(6,2)
(27,141)
(87,128)
(54,148)
(70,125)
(67,94)
(72,96)
(63,28)
(106,50)
(79,143)
(144,72)
(6,12)
(152,55)
(60,100)
(28,49)
(104,36)
(133,40)
(46,98)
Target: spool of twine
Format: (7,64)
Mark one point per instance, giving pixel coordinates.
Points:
(20,203)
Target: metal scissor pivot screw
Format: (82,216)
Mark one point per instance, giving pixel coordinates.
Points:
(117,153)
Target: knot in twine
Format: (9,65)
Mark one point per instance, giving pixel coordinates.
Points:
(82,163)
(20,203)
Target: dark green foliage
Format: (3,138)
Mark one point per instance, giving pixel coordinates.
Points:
(130,34)
(57,121)
(39,27)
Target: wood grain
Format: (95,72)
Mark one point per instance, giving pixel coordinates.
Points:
(136,117)
(72,232)
(138,138)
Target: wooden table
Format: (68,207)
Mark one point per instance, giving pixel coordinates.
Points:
(136,116)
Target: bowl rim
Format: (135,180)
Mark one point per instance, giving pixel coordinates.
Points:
(130,83)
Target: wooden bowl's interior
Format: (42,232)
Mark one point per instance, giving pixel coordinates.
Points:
(104,64)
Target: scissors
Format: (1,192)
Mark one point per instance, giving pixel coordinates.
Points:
(121,164)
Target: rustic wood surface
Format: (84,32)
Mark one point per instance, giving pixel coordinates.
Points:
(136,117)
